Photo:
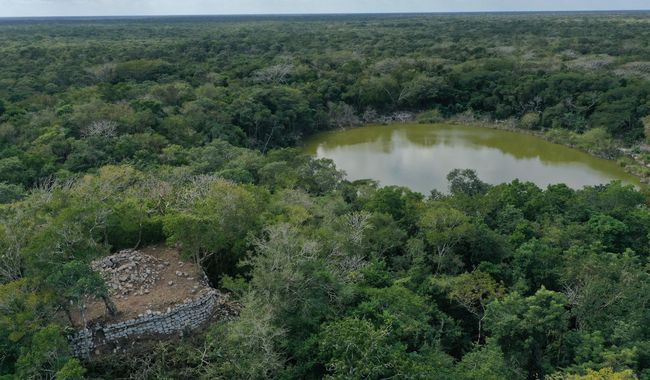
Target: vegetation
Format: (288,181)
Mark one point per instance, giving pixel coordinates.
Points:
(123,133)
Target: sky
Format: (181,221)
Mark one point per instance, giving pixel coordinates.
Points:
(26,8)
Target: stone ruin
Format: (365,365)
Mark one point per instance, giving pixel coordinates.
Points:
(156,294)
(129,272)
(114,337)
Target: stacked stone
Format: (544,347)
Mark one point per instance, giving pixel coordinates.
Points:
(82,343)
(129,272)
(189,315)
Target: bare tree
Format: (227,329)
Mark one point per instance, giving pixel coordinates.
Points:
(103,73)
(444,229)
(392,65)
(158,190)
(274,74)
(101,128)
(250,345)
(403,117)
(370,115)
(199,188)
(12,240)
(342,115)
(357,223)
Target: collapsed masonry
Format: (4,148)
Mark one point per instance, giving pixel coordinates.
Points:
(155,294)
(184,317)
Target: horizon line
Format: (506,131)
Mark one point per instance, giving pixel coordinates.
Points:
(317,14)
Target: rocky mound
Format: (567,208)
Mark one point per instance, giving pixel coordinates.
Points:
(147,281)
(130,272)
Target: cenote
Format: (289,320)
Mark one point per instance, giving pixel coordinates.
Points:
(420,156)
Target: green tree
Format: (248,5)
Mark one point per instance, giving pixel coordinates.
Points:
(10,192)
(474,291)
(212,221)
(604,287)
(530,330)
(609,231)
(141,69)
(278,175)
(421,91)
(319,177)
(530,120)
(409,315)
(14,171)
(74,282)
(248,347)
(466,182)
(485,363)
(443,228)
(24,312)
(48,357)
(71,370)
(353,348)
(400,203)
(603,374)
(298,277)
(537,263)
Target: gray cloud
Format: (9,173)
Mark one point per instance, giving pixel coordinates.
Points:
(14,8)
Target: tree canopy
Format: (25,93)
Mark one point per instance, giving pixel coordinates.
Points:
(121,133)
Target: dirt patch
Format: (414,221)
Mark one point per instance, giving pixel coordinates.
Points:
(146,281)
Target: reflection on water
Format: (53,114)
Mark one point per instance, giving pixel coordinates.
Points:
(420,156)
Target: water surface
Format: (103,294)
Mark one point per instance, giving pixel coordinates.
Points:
(420,156)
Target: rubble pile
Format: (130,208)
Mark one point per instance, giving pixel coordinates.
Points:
(130,272)
(155,293)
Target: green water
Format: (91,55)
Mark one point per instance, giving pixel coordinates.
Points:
(420,156)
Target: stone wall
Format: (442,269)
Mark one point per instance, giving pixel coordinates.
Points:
(186,316)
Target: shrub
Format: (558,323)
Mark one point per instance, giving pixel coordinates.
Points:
(429,117)
(530,120)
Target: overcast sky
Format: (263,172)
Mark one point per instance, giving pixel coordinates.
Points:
(18,8)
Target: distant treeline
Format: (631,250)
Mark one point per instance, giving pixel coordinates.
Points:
(76,95)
